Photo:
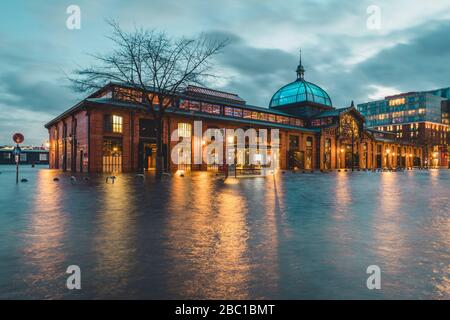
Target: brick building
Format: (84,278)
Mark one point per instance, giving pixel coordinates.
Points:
(109,132)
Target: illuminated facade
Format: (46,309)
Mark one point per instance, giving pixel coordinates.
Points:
(414,117)
(109,132)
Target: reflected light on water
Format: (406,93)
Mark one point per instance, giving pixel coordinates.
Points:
(197,237)
(115,240)
(343,197)
(44,249)
(389,236)
(207,236)
(440,228)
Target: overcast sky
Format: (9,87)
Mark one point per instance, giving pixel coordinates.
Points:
(410,51)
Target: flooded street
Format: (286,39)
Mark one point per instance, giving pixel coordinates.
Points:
(291,236)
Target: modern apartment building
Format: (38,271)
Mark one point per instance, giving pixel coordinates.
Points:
(420,118)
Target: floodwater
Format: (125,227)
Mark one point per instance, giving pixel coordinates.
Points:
(291,236)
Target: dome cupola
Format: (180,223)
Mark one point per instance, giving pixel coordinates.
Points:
(300,91)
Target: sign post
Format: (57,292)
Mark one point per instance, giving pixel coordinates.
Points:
(17,138)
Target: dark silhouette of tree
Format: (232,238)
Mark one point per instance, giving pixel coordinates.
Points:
(349,128)
(153,64)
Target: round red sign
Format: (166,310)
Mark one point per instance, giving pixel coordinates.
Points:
(18,138)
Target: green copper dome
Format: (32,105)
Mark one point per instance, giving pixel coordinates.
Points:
(300,91)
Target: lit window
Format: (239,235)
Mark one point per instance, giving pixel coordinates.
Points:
(184,130)
(117,124)
(397,102)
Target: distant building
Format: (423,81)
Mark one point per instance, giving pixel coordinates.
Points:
(446,112)
(415,117)
(28,155)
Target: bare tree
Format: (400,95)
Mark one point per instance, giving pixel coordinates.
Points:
(153,64)
(349,128)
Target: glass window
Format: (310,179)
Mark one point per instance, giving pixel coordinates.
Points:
(23,157)
(237,112)
(128,95)
(282,119)
(184,130)
(228,111)
(210,108)
(112,155)
(43,157)
(117,124)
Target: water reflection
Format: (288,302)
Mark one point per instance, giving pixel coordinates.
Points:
(390,238)
(44,239)
(342,196)
(114,243)
(438,207)
(288,236)
(208,241)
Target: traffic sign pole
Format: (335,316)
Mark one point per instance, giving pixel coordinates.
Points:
(17,158)
(17,138)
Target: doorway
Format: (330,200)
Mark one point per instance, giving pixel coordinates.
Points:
(149,154)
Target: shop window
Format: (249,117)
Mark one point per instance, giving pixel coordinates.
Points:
(112,155)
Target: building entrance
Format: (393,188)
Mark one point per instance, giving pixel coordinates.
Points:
(149,154)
